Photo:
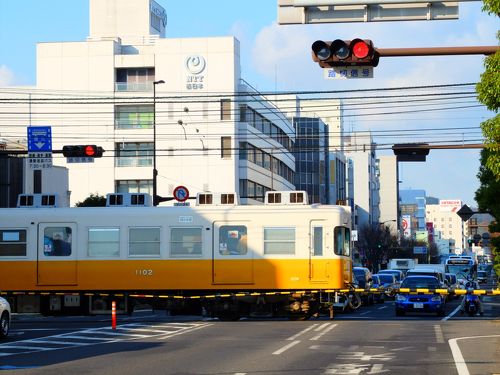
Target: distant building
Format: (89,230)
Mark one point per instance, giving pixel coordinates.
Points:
(448,223)
(388,175)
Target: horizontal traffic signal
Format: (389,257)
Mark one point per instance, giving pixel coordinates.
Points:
(87,151)
(356,52)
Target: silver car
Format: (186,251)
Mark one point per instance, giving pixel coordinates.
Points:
(4,317)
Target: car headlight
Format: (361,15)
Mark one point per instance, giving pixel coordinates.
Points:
(436,299)
(400,298)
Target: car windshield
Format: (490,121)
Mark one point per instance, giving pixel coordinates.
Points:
(481,273)
(395,273)
(386,278)
(420,282)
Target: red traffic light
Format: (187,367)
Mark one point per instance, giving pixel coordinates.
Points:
(89,151)
(356,52)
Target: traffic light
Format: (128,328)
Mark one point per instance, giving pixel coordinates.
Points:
(86,151)
(411,151)
(356,52)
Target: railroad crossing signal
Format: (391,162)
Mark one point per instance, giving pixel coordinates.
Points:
(356,52)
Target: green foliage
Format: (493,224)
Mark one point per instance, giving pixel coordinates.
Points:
(488,88)
(94,200)
(491,131)
(491,6)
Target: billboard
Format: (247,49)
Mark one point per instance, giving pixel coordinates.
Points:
(449,205)
(406,225)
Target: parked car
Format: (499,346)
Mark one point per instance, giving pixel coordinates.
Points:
(482,277)
(364,280)
(398,273)
(5,315)
(429,303)
(388,282)
(377,284)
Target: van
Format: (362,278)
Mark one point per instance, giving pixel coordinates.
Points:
(437,273)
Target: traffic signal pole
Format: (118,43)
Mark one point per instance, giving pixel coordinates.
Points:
(436,51)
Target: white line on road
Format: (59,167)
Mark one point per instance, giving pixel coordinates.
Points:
(328,329)
(301,332)
(286,347)
(451,314)
(457,354)
(383,307)
(439,334)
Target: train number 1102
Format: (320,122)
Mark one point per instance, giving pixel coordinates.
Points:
(144,272)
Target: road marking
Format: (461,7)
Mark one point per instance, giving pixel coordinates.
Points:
(451,314)
(328,329)
(431,349)
(286,347)
(88,337)
(439,334)
(383,307)
(457,354)
(302,332)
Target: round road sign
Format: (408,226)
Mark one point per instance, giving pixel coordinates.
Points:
(181,193)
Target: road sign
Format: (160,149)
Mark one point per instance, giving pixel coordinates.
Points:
(181,193)
(40,160)
(465,212)
(348,72)
(39,139)
(420,250)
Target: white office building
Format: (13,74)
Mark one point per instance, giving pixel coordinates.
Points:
(135,93)
(388,175)
(359,147)
(448,223)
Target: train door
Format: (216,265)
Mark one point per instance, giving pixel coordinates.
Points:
(57,254)
(232,259)
(318,263)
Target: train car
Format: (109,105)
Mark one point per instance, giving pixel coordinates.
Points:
(283,255)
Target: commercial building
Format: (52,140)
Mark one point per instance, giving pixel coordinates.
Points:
(179,105)
(388,175)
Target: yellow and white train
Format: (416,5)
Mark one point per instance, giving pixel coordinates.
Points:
(72,259)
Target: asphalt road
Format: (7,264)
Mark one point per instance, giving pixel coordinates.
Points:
(371,340)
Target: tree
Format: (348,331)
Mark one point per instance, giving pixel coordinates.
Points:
(376,242)
(94,200)
(488,90)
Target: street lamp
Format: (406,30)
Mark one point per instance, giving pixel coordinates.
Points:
(155,171)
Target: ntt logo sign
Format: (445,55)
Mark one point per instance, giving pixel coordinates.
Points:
(195,65)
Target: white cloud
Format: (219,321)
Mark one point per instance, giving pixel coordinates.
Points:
(6,76)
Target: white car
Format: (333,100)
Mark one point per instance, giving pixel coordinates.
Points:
(4,317)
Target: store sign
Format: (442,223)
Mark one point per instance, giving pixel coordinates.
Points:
(195,66)
(449,205)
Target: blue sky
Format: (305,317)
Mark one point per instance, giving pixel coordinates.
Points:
(278,57)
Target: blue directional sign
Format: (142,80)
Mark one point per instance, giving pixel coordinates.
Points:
(39,139)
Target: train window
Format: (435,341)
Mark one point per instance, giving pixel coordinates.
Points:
(279,240)
(317,241)
(185,241)
(57,241)
(233,240)
(13,242)
(104,242)
(144,241)
(342,238)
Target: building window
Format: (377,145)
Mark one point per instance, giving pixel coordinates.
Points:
(225,109)
(225,152)
(279,240)
(134,117)
(134,186)
(185,242)
(134,154)
(104,242)
(135,79)
(13,242)
(144,242)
